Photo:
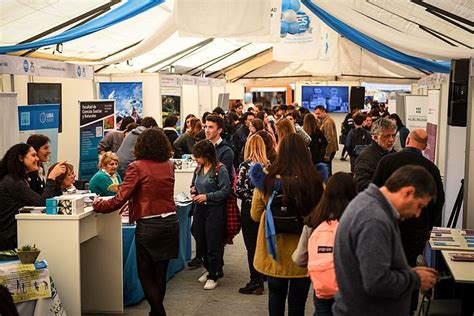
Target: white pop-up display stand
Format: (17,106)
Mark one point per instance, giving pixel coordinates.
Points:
(84,256)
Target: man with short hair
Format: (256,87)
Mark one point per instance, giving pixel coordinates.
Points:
(383,138)
(240,137)
(125,151)
(293,117)
(169,128)
(372,272)
(328,127)
(414,232)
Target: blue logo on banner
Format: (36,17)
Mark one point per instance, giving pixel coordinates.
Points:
(25,118)
(26,66)
(78,71)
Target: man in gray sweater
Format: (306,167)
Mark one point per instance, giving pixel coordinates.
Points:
(371,269)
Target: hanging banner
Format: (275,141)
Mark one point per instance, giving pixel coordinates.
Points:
(416,111)
(15,65)
(171,103)
(432,124)
(96,118)
(40,119)
(128,97)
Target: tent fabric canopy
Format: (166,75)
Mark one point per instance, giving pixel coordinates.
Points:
(149,42)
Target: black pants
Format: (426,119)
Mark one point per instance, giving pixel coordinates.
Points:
(208,230)
(297,291)
(250,232)
(344,151)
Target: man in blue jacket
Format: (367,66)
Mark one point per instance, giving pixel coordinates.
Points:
(372,272)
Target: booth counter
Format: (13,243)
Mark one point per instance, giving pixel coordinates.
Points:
(84,254)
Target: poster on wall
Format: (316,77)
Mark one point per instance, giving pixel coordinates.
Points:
(128,97)
(432,124)
(96,118)
(171,103)
(416,111)
(40,119)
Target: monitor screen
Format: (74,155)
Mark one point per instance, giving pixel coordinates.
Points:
(334,99)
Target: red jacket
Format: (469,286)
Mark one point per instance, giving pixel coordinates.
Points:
(149,188)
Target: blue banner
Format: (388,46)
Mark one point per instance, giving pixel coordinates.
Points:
(40,119)
(96,118)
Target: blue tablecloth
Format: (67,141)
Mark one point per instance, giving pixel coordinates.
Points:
(132,289)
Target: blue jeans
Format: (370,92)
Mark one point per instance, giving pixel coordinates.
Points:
(278,292)
(322,307)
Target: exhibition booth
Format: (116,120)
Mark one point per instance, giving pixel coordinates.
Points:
(143,59)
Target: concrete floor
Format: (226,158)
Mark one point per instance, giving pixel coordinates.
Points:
(185,296)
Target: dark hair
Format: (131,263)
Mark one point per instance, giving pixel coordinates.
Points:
(398,120)
(261,115)
(270,149)
(153,144)
(170,121)
(339,191)
(131,127)
(298,176)
(303,111)
(183,130)
(359,119)
(195,127)
(237,105)
(218,111)
(321,108)
(148,122)
(233,116)
(37,140)
(204,117)
(245,116)
(259,107)
(412,175)
(60,179)
(11,163)
(295,115)
(205,149)
(125,121)
(310,124)
(258,124)
(269,111)
(216,119)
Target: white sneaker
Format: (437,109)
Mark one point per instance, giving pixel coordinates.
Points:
(210,284)
(203,277)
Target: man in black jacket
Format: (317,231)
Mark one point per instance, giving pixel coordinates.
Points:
(240,137)
(415,231)
(383,138)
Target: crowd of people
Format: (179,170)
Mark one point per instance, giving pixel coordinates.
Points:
(352,237)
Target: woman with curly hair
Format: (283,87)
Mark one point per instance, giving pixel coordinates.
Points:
(149,188)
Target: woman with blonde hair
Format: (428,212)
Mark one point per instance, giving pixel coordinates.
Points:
(254,153)
(106,181)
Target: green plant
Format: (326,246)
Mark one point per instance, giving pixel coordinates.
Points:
(27,247)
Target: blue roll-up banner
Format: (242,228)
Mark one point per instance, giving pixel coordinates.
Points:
(96,118)
(40,119)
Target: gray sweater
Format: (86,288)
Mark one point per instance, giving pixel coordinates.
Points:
(371,269)
(125,151)
(216,189)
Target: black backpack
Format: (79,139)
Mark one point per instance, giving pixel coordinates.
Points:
(285,215)
(360,140)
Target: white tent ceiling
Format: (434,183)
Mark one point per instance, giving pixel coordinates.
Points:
(430,29)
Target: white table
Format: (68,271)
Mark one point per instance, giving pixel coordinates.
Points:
(84,255)
(463,272)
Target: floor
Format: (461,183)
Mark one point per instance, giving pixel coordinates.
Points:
(185,296)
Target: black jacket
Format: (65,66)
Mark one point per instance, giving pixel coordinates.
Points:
(171,134)
(366,164)
(14,194)
(430,215)
(317,146)
(238,143)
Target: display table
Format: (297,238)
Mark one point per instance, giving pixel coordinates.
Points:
(82,252)
(463,272)
(450,239)
(132,289)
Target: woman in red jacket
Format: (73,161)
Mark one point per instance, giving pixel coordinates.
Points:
(149,188)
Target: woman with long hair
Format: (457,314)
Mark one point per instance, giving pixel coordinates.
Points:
(255,125)
(154,211)
(15,192)
(402,132)
(185,142)
(318,143)
(269,124)
(254,153)
(42,145)
(284,127)
(210,188)
(339,191)
(187,123)
(270,144)
(292,180)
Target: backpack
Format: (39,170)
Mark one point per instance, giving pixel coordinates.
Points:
(286,218)
(321,259)
(360,141)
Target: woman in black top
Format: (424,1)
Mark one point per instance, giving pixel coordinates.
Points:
(318,141)
(15,191)
(41,144)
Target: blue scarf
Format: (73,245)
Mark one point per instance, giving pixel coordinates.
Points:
(270,232)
